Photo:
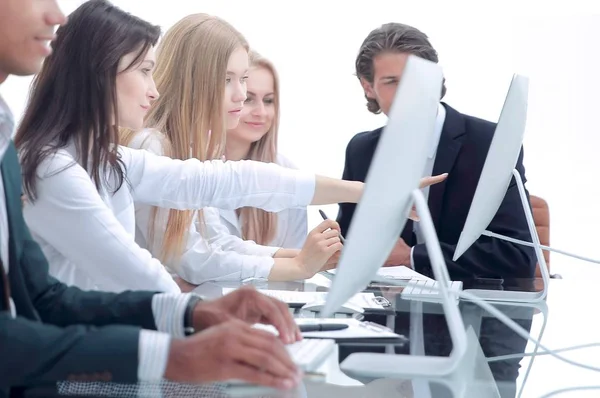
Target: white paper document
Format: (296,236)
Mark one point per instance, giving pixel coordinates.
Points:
(363,300)
(399,272)
(356,329)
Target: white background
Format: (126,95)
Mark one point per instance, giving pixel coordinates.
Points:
(313,44)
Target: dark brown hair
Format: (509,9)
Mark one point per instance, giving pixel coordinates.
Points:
(395,38)
(73,99)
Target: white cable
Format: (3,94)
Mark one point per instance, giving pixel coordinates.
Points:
(536,354)
(547,248)
(569,389)
(508,322)
(518,329)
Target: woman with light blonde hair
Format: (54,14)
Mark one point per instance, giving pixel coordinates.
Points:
(201,72)
(255,138)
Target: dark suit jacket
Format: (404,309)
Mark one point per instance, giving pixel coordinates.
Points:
(60,333)
(461,152)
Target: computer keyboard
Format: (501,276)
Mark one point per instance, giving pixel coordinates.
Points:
(420,289)
(309,354)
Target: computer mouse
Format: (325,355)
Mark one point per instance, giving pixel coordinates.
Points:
(348,308)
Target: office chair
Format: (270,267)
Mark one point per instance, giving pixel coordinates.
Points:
(541,217)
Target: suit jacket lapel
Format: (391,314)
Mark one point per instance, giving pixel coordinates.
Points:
(447,152)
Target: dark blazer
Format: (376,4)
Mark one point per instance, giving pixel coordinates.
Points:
(461,152)
(60,333)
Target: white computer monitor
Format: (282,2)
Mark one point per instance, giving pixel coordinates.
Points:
(395,171)
(496,175)
(391,186)
(499,164)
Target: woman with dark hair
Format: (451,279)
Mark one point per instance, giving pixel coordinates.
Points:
(80,185)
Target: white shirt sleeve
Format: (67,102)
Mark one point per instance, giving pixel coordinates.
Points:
(192,184)
(207,260)
(153,356)
(211,252)
(296,230)
(154,346)
(70,215)
(218,234)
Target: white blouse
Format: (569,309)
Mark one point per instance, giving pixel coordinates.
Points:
(217,255)
(292,224)
(88,234)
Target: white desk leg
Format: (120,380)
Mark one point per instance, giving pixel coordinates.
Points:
(417,345)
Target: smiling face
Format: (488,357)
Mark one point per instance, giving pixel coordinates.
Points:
(235,86)
(135,89)
(26,29)
(259,109)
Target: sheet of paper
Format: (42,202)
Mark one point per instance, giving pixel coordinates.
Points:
(399,272)
(356,329)
(363,300)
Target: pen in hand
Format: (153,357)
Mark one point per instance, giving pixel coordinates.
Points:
(322,213)
(322,327)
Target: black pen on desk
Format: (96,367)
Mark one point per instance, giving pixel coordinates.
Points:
(322,213)
(322,327)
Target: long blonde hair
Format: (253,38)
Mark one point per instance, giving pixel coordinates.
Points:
(259,225)
(190,76)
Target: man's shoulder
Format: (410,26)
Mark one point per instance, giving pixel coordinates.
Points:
(366,137)
(478,129)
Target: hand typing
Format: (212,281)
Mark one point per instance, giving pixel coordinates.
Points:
(232,350)
(246,304)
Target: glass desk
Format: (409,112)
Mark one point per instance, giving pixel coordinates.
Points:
(565,319)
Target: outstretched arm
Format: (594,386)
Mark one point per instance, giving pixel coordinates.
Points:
(192,184)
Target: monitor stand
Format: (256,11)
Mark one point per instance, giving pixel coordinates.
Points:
(375,366)
(515,296)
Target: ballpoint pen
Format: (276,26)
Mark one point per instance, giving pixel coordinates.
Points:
(322,327)
(322,213)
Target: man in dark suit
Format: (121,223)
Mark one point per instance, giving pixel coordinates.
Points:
(460,149)
(50,332)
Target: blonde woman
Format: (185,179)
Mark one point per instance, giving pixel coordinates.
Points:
(255,138)
(201,71)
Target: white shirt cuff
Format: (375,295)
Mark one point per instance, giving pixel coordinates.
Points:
(305,188)
(153,354)
(169,311)
(263,250)
(257,267)
(412,263)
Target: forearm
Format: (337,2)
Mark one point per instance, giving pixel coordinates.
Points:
(286,253)
(35,353)
(331,190)
(287,269)
(61,305)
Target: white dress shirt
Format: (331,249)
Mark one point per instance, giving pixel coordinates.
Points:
(88,235)
(6,129)
(168,309)
(428,170)
(292,224)
(217,255)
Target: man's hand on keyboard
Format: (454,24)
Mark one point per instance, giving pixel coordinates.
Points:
(232,350)
(250,306)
